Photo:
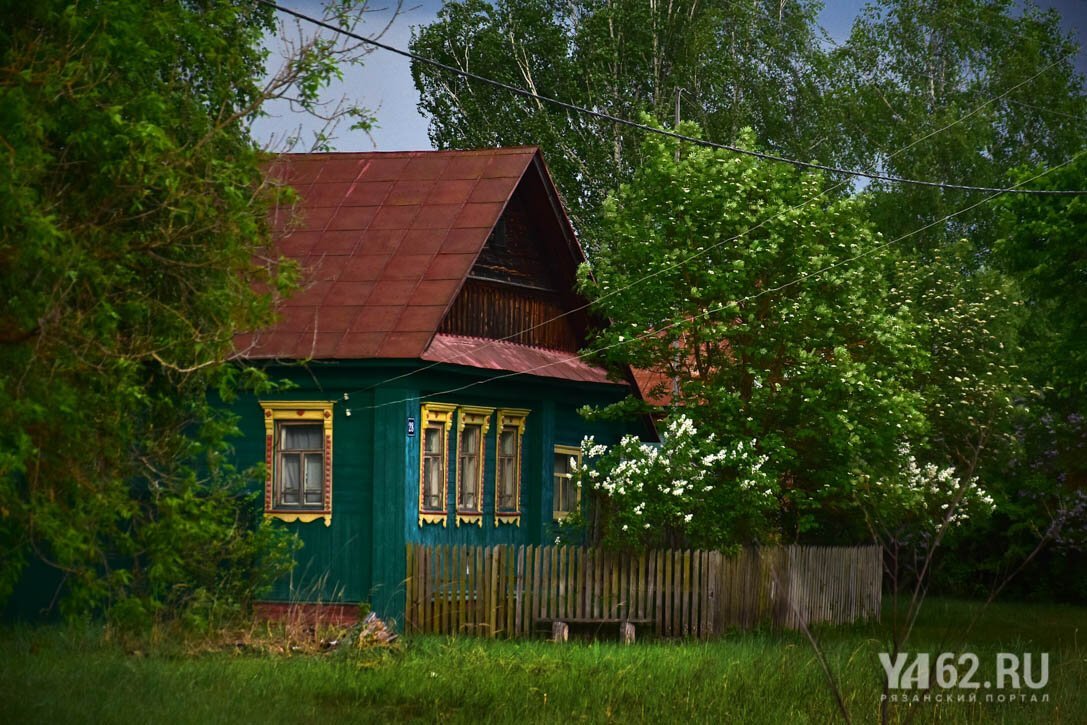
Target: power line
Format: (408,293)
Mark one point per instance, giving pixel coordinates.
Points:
(719,308)
(696,255)
(873,176)
(691,258)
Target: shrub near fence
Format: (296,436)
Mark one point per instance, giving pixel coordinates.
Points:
(503,591)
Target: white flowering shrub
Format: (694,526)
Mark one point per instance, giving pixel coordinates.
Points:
(690,490)
(910,506)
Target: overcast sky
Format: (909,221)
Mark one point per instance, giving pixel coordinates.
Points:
(384,84)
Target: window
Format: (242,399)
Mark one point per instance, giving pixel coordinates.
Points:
(566,494)
(301,466)
(437,419)
(298,460)
(507,482)
(472,426)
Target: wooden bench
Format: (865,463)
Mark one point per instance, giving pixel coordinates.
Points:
(560,628)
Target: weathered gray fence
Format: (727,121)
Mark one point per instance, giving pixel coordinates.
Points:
(504,591)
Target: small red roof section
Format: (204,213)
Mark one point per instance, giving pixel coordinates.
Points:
(499,355)
(385,241)
(654,387)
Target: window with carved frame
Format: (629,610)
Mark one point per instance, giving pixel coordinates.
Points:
(298,460)
(507,478)
(566,494)
(472,426)
(436,421)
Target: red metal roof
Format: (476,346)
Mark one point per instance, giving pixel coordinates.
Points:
(654,387)
(385,241)
(499,355)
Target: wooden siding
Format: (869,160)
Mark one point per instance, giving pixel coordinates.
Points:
(515,251)
(506,312)
(504,591)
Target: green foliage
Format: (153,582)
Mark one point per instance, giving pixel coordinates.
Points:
(815,371)
(737,64)
(962,92)
(975,91)
(1042,244)
(134,244)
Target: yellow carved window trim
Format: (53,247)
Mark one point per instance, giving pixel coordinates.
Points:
(468,415)
(571,452)
(286,411)
(509,418)
(438,415)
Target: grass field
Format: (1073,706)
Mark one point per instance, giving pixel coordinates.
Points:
(62,675)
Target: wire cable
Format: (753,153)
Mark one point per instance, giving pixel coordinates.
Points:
(696,255)
(719,308)
(873,176)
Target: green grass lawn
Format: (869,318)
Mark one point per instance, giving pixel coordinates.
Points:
(61,675)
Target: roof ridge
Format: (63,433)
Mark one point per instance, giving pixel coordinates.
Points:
(483,151)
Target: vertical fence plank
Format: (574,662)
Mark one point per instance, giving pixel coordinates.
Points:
(662,602)
(458,573)
(534,606)
(560,609)
(482,576)
(519,592)
(441,588)
(652,606)
(449,578)
(553,579)
(492,591)
(437,574)
(703,595)
(685,596)
(607,570)
(430,601)
(669,591)
(709,571)
(579,582)
(639,595)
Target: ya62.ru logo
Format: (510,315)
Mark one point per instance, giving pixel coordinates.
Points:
(954,670)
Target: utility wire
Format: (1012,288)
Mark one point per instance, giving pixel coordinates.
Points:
(719,308)
(873,176)
(995,191)
(696,255)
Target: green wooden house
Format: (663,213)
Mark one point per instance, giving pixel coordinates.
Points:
(433,354)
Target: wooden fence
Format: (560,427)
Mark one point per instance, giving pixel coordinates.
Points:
(504,591)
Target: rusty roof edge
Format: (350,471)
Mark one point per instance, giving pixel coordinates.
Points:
(560,359)
(489,151)
(554,196)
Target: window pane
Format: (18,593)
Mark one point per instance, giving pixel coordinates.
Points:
(565,495)
(508,444)
(313,484)
(432,484)
(468,490)
(469,439)
(469,477)
(433,439)
(507,500)
(302,437)
(290,478)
